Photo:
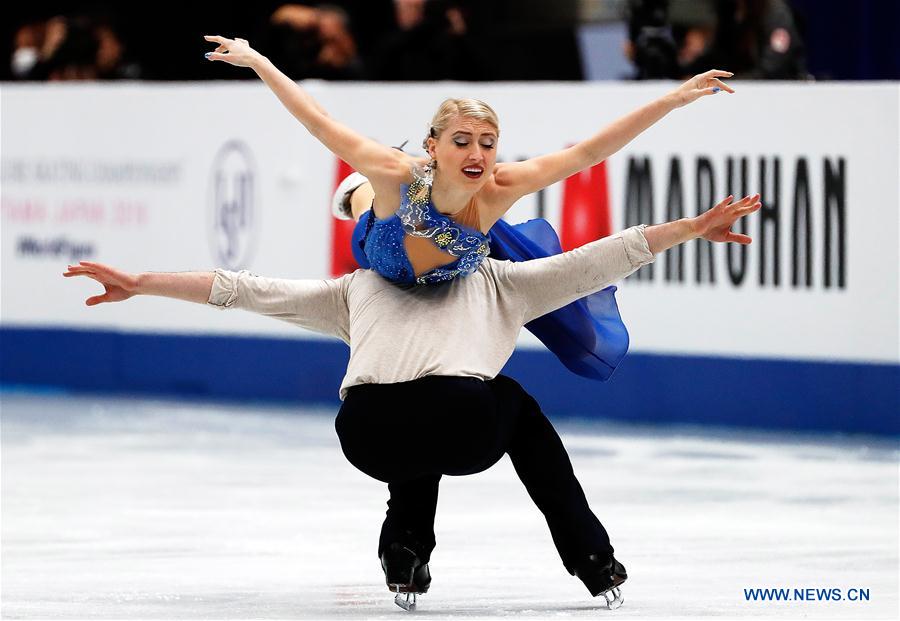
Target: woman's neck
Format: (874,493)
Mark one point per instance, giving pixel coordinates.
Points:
(449,200)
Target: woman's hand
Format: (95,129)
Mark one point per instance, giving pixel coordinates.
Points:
(700,85)
(715,225)
(119,285)
(235,52)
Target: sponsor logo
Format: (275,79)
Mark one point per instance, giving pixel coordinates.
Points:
(811,212)
(233,219)
(55,249)
(799,234)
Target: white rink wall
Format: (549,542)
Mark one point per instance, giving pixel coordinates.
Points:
(178,177)
(124,174)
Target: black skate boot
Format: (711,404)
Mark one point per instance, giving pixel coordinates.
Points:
(602,575)
(405,574)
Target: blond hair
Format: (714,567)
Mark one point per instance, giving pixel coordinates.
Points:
(468,108)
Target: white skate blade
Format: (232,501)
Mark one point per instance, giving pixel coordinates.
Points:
(406,601)
(614,598)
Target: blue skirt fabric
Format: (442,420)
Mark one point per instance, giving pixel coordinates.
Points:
(587,336)
(358,240)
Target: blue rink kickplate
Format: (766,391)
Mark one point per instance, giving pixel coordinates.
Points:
(761,393)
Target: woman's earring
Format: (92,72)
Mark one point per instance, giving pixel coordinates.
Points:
(425,172)
(428,171)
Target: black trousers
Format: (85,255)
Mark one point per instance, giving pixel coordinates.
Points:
(410,434)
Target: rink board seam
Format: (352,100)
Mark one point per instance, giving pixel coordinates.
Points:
(654,388)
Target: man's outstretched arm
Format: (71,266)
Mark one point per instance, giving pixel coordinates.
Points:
(318,305)
(120,286)
(552,282)
(713,225)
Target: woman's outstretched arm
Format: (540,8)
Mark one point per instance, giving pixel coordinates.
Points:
(516,179)
(374,160)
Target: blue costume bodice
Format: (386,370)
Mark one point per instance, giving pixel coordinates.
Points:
(417,216)
(587,336)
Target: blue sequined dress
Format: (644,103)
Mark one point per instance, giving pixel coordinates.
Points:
(587,336)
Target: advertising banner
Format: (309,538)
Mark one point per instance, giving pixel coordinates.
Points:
(192,177)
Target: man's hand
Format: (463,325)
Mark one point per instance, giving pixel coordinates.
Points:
(715,224)
(119,285)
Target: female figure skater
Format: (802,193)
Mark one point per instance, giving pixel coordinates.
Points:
(438,385)
(436,219)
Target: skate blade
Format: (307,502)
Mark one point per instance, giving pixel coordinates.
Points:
(614,598)
(406,601)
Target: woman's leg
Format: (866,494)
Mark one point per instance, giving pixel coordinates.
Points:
(341,205)
(361,200)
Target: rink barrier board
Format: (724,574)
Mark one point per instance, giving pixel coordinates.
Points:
(790,395)
(192,187)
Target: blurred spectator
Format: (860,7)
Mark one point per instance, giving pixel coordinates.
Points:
(431,41)
(312,42)
(694,27)
(651,43)
(756,39)
(443,39)
(69,48)
(28,43)
(111,61)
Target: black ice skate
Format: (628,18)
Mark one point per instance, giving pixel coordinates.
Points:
(405,575)
(602,575)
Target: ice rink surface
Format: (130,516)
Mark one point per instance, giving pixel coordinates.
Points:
(138,509)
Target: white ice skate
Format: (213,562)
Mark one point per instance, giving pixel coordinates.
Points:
(340,201)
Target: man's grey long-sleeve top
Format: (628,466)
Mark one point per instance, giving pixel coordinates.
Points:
(467,327)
